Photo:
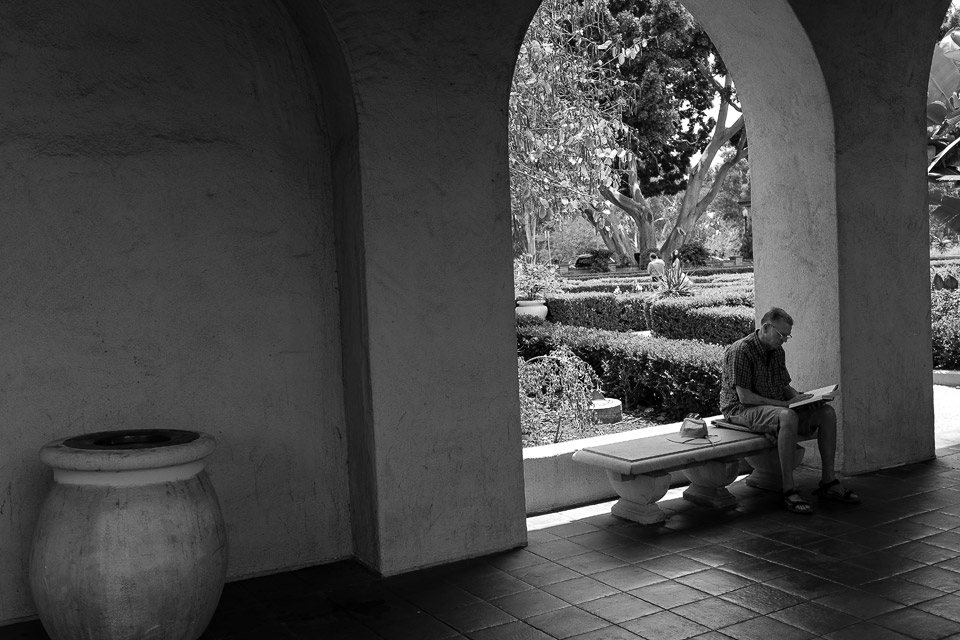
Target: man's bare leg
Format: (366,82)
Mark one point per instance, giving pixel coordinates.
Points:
(787,445)
(827,442)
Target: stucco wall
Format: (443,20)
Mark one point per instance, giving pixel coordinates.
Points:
(443,438)
(167,260)
(876,72)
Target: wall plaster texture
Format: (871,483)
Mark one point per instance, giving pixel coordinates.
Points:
(167,260)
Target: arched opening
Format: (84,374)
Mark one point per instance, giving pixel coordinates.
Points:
(789,122)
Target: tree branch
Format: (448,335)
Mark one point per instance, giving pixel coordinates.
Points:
(724,90)
(721,174)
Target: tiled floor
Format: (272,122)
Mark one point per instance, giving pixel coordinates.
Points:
(884,570)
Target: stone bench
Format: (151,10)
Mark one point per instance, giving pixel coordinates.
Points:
(639,469)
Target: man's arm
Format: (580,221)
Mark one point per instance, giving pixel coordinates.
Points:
(750,398)
(792,395)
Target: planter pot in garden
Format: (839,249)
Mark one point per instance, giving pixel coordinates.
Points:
(536,308)
(130,543)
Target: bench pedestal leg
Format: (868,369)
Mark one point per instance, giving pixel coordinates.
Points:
(638,496)
(709,481)
(766,469)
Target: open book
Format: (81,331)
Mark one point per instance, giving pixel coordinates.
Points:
(823,394)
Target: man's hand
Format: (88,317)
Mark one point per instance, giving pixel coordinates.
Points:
(797,398)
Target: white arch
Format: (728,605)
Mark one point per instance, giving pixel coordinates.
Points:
(792,165)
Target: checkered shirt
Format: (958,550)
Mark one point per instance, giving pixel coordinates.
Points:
(747,364)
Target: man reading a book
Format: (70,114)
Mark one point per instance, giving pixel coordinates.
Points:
(756,394)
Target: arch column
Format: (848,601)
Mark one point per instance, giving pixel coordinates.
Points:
(425,253)
(833,98)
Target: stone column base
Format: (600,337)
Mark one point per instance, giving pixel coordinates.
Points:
(766,469)
(638,496)
(709,481)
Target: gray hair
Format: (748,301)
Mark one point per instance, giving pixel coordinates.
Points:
(776,314)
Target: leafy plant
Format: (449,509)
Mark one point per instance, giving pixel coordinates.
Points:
(675,284)
(532,281)
(945,317)
(556,386)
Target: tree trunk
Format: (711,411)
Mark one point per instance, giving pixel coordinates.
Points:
(636,207)
(611,234)
(692,207)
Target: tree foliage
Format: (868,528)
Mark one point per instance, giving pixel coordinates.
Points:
(566,111)
(610,103)
(673,72)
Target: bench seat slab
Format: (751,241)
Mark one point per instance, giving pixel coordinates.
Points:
(664,453)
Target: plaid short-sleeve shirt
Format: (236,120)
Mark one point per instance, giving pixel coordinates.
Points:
(747,364)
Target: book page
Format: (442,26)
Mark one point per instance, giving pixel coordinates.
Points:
(817,395)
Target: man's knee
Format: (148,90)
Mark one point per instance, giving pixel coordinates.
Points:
(828,414)
(788,419)
(789,425)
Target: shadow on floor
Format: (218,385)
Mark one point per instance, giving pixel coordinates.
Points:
(887,569)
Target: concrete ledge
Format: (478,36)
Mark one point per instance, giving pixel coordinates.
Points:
(553,481)
(946,377)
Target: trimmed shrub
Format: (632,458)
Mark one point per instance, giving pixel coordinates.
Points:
(632,309)
(606,285)
(681,376)
(527,318)
(589,309)
(945,320)
(704,271)
(669,317)
(717,279)
(678,376)
(596,310)
(720,325)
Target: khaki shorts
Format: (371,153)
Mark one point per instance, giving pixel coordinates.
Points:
(765,418)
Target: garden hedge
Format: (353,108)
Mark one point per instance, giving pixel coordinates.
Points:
(678,376)
(667,317)
(596,310)
(720,325)
(945,319)
(606,285)
(589,309)
(675,317)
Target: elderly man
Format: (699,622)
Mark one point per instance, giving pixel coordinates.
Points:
(756,393)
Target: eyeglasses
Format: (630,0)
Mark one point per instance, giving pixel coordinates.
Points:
(782,336)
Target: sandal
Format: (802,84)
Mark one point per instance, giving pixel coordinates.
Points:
(798,505)
(841,495)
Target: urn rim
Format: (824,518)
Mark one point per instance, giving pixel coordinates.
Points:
(127,449)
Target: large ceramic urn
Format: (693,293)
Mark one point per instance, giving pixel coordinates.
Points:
(130,543)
